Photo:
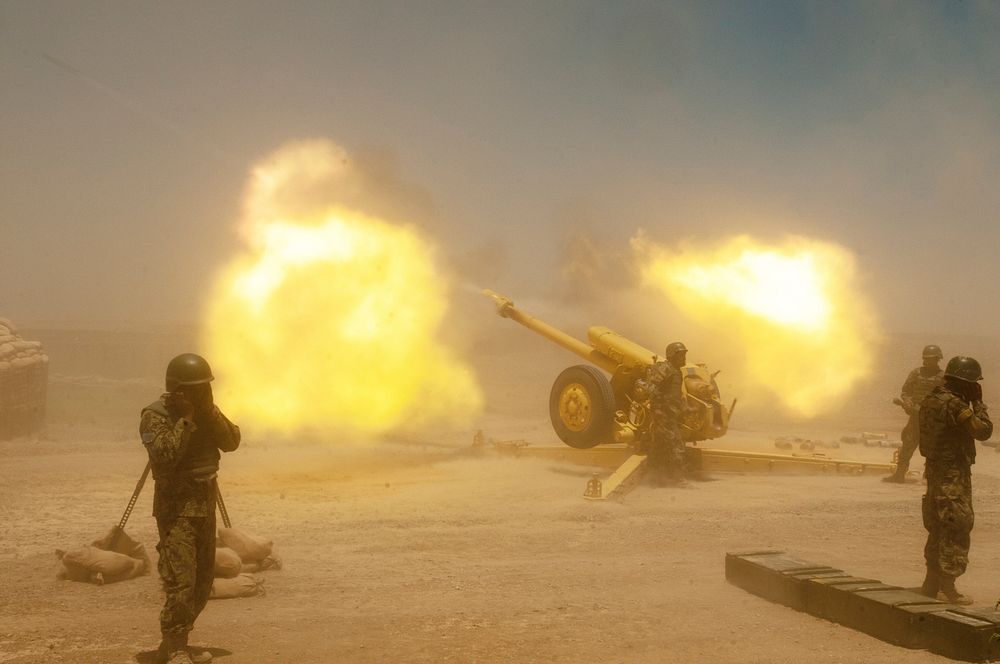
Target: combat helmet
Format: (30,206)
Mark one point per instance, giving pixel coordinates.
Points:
(964,368)
(674,348)
(933,351)
(188,369)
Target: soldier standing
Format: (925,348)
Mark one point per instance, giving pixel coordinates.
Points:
(183,433)
(952,417)
(666,451)
(918,385)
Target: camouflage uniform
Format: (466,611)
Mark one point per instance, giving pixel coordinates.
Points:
(666,452)
(184,456)
(948,427)
(917,386)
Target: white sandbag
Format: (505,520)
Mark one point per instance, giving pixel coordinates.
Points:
(227,563)
(244,585)
(249,547)
(99,566)
(272,562)
(119,541)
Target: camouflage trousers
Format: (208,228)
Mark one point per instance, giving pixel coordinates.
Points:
(187,567)
(948,517)
(666,450)
(910,435)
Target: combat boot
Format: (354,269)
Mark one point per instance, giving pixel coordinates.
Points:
(199,656)
(180,657)
(174,650)
(950,594)
(932,583)
(895,478)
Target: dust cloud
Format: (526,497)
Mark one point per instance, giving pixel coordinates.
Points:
(512,146)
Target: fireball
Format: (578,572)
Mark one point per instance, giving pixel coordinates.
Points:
(796,310)
(330,318)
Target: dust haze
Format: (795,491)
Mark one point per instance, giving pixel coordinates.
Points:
(526,146)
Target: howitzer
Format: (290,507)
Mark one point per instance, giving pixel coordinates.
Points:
(587,408)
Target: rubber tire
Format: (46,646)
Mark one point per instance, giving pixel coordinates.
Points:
(602,414)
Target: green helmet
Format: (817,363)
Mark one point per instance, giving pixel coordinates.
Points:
(674,348)
(964,368)
(933,351)
(188,369)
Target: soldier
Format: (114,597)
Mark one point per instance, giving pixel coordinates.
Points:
(666,451)
(918,385)
(183,432)
(951,418)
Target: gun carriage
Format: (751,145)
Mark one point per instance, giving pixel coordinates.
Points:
(587,408)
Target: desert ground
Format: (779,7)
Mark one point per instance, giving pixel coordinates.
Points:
(414,549)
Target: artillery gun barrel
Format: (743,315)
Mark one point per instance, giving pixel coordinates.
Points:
(506,309)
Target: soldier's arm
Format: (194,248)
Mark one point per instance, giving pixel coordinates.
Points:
(227,434)
(674,395)
(165,442)
(653,376)
(906,393)
(976,420)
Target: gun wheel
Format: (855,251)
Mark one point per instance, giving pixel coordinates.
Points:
(582,407)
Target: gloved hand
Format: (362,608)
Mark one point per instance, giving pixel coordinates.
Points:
(181,403)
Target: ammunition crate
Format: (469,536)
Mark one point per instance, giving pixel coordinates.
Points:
(895,615)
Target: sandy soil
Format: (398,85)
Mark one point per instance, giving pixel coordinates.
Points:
(416,550)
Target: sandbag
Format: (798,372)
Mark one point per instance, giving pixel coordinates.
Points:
(125,545)
(248,547)
(98,566)
(243,585)
(227,563)
(271,562)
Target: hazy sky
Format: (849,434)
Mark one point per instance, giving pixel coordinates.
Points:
(514,127)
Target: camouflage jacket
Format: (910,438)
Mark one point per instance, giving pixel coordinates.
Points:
(666,397)
(949,427)
(184,457)
(917,386)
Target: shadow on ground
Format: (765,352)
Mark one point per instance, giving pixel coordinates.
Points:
(154,657)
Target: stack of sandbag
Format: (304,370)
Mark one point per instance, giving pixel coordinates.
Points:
(114,557)
(238,556)
(24,378)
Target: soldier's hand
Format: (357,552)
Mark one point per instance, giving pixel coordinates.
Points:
(975,392)
(182,404)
